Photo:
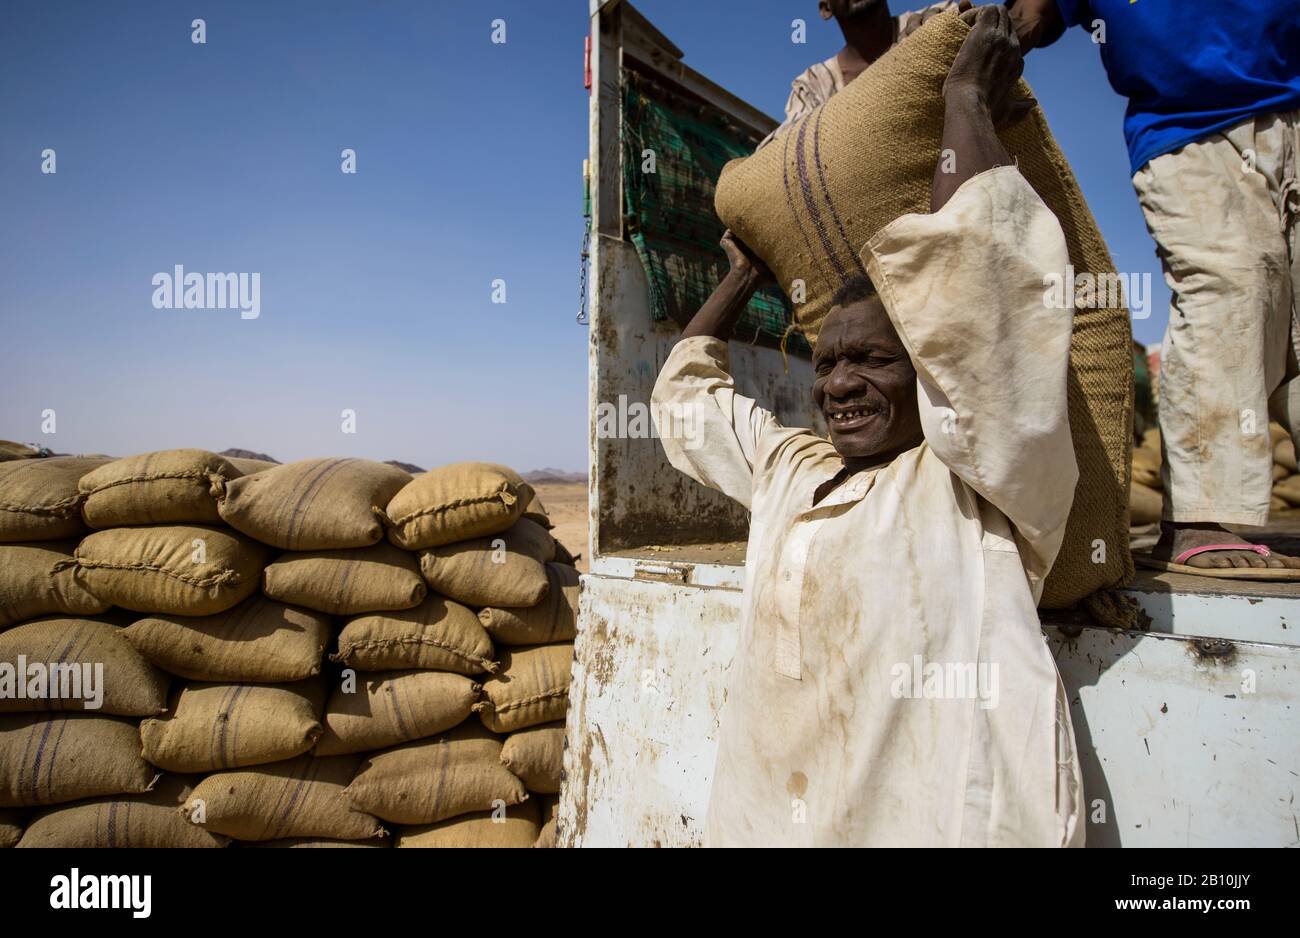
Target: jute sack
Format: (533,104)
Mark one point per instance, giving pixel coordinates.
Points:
(1146,467)
(535,512)
(260,641)
(30,586)
(83,663)
(11,828)
(167,487)
(549,809)
(563,556)
(226,726)
(810,201)
(396,707)
(506,569)
(438,634)
(152,819)
(554,619)
(308,842)
(39,499)
(455,503)
(536,755)
(1288,490)
(518,827)
(1145,505)
(1284,455)
(184,570)
(302,797)
(531,687)
(316,504)
(437,778)
(11,450)
(50,758)
(347,582)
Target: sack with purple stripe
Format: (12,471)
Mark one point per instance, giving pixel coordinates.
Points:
(809,201)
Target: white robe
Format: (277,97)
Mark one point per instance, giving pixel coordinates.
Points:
(836,730)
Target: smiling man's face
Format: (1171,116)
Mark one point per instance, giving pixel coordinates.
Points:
(865,384)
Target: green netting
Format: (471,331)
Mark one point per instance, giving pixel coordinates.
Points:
(668,214)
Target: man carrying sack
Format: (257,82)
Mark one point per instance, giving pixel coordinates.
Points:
(1213,131)
(892,685)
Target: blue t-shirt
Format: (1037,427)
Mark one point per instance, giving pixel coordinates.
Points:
(1191,68)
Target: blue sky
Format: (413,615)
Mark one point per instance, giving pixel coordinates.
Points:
(376,287)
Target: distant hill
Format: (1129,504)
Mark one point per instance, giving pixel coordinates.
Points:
(549,476)
(404,466)
(248,454)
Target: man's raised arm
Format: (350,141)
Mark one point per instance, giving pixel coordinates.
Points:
(965,287)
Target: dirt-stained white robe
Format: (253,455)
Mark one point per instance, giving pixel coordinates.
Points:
(892,684)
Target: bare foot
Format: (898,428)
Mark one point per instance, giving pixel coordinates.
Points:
(1178,537)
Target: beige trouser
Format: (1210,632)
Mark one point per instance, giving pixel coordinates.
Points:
(1223,215)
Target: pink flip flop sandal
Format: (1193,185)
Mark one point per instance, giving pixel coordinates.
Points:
(1179,565)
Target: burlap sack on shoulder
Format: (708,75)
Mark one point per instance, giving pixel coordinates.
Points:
(347,582)
(456,503)
(260,641)
(82,666)
(225,726)
(554,619)
(531,687)
(11,828)
(316,504)
(504,569)
(518,827)
(437,778)
(152,819)
(302,797)
(30,586)
(385,709)
(168,487)
(810,200)
(50,758)
(438,634)
(184,570)
(39,499)
(536,755)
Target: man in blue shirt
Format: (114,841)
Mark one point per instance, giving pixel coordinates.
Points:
(1213,130)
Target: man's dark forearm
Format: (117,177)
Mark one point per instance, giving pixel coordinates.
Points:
(718,316)
(970,145)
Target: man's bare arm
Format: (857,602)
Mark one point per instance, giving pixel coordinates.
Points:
(1038,23)
(977,95)
(717,317)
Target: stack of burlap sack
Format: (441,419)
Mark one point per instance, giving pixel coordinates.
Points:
(210,591)
(1147,488)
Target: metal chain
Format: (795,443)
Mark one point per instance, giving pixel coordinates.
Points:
(582,276)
